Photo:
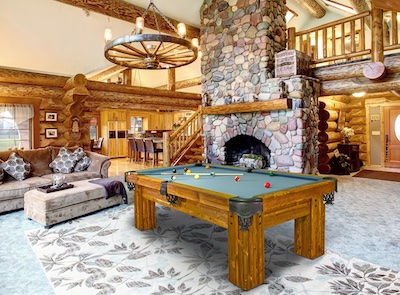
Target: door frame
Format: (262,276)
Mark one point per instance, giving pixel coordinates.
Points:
(381,104)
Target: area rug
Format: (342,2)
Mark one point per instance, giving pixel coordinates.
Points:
(106,254)
(382,175)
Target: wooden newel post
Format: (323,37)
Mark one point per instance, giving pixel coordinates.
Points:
(166,152)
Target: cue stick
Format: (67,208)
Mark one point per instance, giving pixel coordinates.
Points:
(193,173)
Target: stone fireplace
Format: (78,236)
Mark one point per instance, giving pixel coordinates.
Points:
(239,40)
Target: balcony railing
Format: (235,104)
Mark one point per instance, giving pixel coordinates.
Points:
(348,39)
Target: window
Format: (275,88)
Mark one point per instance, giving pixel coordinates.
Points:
(136,124)
(15,126)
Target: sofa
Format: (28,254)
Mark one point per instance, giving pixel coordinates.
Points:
(38,167)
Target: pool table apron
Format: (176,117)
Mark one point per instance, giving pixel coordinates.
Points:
(245,224)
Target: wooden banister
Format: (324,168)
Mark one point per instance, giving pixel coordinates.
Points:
(345,39)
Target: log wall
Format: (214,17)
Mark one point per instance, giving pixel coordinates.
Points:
(329,135)
(78,100)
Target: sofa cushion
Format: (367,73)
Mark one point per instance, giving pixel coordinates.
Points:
(1,173)
(39,159)
(65,161)
(14,189)
(17,167)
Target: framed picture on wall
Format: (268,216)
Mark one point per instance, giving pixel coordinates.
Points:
(51,117)
(51,133)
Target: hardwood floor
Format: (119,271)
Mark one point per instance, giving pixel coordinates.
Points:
(121,165)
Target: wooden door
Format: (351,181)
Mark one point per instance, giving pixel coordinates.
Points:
(392,136)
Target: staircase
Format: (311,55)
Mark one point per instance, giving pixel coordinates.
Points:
(194,154)
(185,145)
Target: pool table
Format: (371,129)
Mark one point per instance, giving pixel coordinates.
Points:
(245,201)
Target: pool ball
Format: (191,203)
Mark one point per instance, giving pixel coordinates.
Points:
(196,176)
(173,177)
(185,169)
(212,173)
(271,174)
(237,178)
(188,171)
(207,166)
(267,184)
(173,170)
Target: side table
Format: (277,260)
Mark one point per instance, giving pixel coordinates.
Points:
(353,151)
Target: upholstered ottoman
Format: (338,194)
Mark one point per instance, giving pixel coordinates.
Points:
(51,208)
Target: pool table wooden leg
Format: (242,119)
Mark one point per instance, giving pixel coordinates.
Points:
(309,234)
(145,211)
(246,252)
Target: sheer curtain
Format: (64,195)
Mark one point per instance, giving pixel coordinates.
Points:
(18,112)
(15,126)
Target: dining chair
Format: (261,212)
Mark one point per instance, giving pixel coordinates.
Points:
(141,149)
(151,149)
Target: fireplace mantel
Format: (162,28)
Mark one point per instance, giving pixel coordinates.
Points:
(248,107)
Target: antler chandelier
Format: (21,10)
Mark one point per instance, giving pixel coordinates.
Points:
(152,51)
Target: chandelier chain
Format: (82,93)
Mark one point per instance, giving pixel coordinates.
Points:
(152,5)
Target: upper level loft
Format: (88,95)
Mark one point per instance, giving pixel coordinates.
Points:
(368,35)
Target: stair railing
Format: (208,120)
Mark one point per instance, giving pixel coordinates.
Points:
(175,144)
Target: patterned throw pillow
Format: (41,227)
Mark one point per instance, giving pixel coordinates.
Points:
(84,162)
(16,167)
(65,161)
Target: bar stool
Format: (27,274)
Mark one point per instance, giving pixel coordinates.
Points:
(141,149)
(151,149)
(132,150)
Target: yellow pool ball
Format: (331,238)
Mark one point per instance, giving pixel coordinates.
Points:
(196,176)
(188,171)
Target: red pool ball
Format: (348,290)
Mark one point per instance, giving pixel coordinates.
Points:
(185,169)
(237,178)
(267,184)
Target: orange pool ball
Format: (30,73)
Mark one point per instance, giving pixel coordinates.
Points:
(237,178)
(207,166)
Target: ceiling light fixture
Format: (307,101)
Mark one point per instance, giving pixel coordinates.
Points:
(359,94)
(340,6)
(152,51)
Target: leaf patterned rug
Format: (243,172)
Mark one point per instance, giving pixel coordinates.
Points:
(105,254)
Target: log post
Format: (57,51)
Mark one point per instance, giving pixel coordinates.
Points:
(171,80)
(377,34)
(291,42)
(166,149)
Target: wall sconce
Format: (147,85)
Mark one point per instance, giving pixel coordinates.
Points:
(107,35)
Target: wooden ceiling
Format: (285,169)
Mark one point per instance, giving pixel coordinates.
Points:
(393,5)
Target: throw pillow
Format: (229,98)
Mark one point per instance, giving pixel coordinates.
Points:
(65,161)
(84,162)
(16,167)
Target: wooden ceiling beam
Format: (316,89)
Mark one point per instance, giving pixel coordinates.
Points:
(312,7)
(184,83)
(128,12)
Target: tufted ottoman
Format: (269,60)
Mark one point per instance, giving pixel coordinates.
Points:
(55,207)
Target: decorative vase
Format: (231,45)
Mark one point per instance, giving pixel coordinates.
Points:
(345,139)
